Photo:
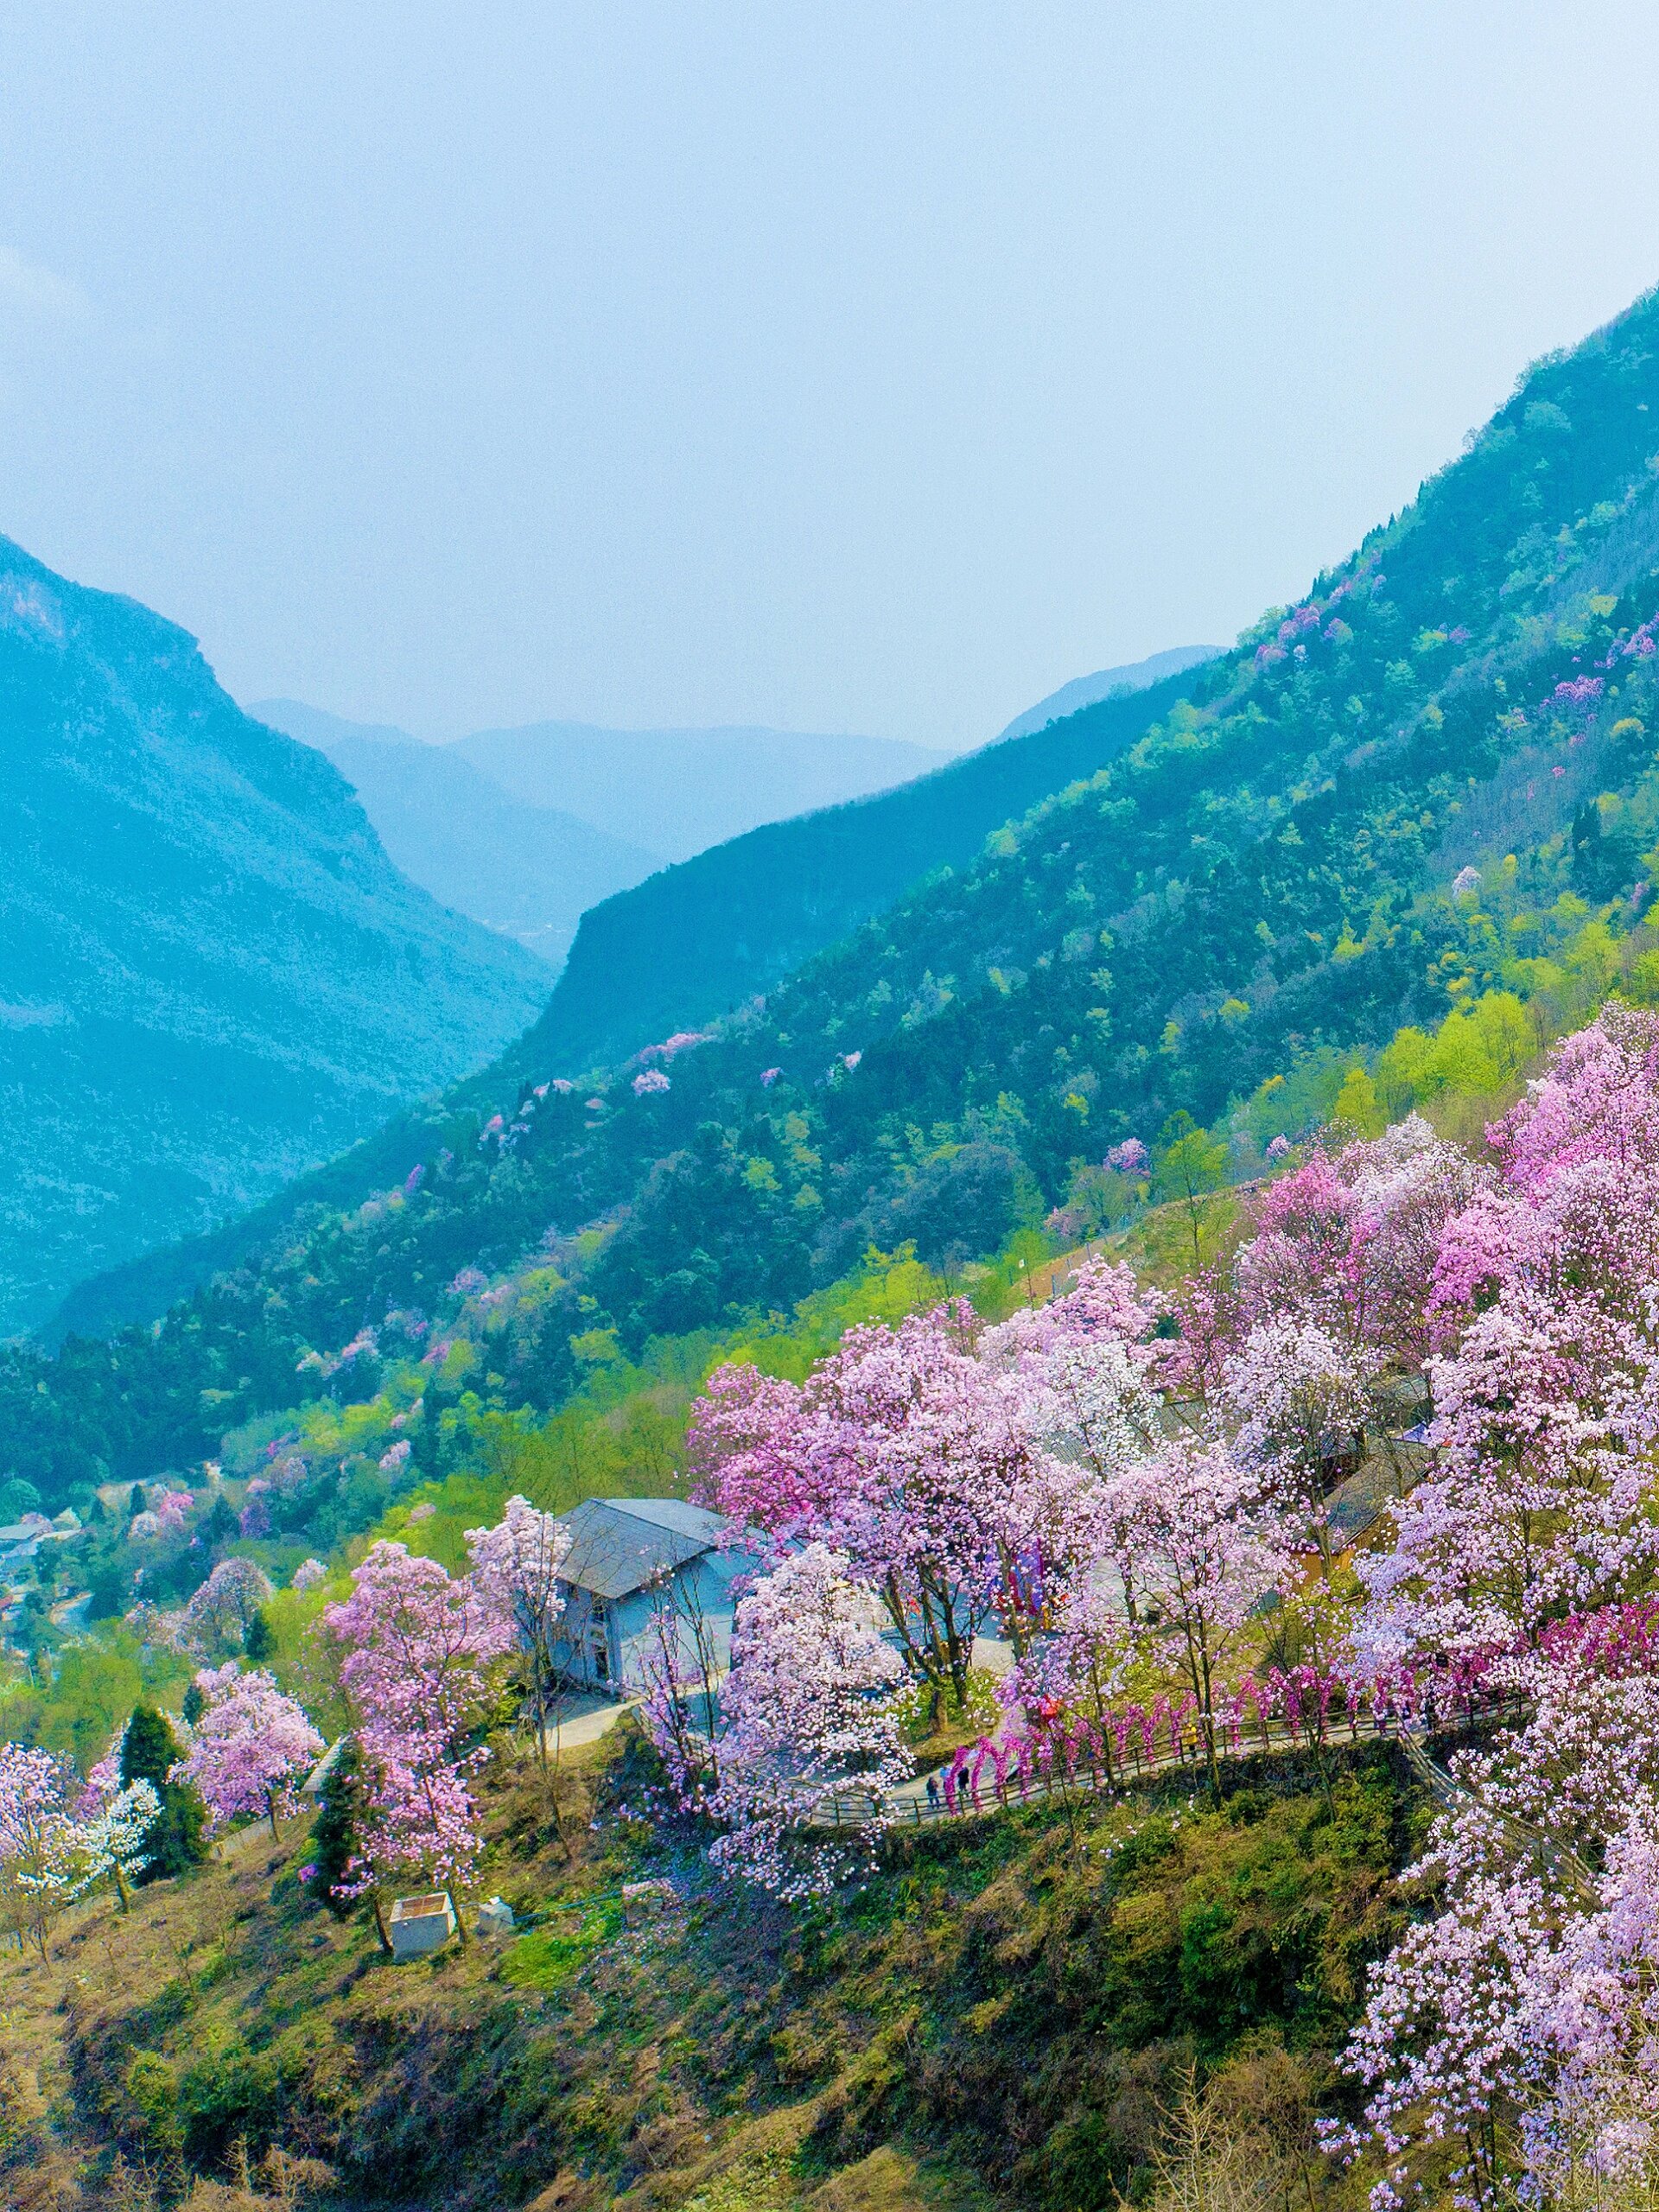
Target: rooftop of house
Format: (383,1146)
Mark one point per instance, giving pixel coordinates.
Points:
(622,1544)
(35,1527)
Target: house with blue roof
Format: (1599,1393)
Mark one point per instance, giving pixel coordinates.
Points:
(631,1558)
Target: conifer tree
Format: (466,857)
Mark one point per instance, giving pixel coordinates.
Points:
(334,1844)
(220,1526)
(149,1751)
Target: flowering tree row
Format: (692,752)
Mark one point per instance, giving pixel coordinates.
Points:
(59,1838)
(1129,1491)
(418,1652)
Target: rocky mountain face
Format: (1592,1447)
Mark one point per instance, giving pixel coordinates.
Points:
(212,977)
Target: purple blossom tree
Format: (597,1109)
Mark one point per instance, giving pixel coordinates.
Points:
(515,1570)
(808,1707)
(417,1648)
(251,1745)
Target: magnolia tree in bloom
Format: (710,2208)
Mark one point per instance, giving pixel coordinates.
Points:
(515,1570)
(1517,2017)
(1533,1507)
(962,1472)
(888,1452)
(809,1706)
(1515,2023)
(1298,1398)
(114,1828)
(251,1745)
(1211,1543)
(1546,1296)
(40,1862)
(1350,1243)
(217,1619)
(417,1647)
(52,1850)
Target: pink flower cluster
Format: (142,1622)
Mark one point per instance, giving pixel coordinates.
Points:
(251,1747)
(415,1647)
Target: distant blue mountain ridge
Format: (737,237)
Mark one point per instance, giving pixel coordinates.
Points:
(528,871)
(696,940)
(525,829)
(681,946)
(1087,690)
(212,977)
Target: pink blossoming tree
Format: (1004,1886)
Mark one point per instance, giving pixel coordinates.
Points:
(417,1648)
(252,1745)
(808,1707)
(217,1619)
(515,1570)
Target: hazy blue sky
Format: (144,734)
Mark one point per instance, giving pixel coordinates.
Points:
(839,367)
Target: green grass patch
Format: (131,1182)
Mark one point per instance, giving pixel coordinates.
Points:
(548,1957)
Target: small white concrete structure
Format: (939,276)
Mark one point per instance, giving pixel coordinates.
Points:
(495,1917)
(421,1925)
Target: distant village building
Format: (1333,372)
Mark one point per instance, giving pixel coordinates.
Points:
(21,1541)
(628,1557)
(26,1545)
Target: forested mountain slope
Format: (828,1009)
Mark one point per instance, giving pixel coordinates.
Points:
(694,942)
(1402,792)
(1087,690)
(211,976)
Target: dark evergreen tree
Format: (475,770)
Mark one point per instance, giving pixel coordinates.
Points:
(258,1644)
(110,1583)
(220,1526)
(149,1751)
(334,1832)
(193,1706)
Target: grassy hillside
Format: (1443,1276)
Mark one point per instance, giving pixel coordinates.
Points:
(1006,2014)
(211,976)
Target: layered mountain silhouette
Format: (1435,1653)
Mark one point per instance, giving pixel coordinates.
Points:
(1374,809)
(696,941)
(1086,690)
(211,974)
(677,792)
(503,826)
(526,870)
